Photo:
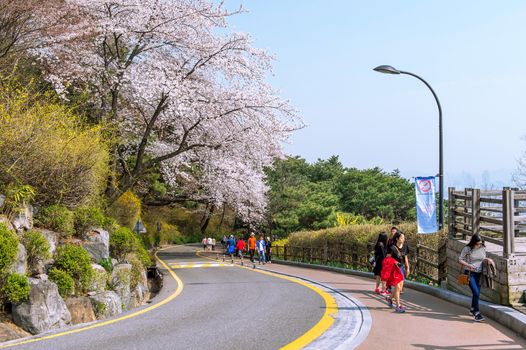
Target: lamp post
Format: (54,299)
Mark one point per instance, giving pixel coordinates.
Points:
(392,70)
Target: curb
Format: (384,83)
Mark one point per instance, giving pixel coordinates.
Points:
(366,321)
(504,315)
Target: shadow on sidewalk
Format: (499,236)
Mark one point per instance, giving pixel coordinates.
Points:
(412,308)
(502,345)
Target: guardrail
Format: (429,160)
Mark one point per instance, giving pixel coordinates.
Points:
(425,262)
(498,216)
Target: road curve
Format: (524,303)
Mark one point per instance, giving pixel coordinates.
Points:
(221,307)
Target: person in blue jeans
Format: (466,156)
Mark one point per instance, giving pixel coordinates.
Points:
(471,257)
(261,245)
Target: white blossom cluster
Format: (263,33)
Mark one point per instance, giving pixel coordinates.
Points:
(183,90)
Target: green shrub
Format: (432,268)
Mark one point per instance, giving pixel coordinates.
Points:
(360,235)
(8,248)
(16,288)
(137,268)
(76,262)
(106,263)
(143,256)
(57,218)
(65,283)
(37,247)
(122,242)
(88,217)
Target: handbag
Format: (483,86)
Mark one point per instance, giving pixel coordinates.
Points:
(463,278)
(372,259)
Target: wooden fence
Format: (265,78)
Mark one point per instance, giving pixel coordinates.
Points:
(498,216)
(426,262)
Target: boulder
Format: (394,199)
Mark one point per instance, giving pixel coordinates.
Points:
(139,295)
(9,331)
(20,264)
(97,244)
(44,310)
(23,220)
(81,310)
(52,238)
(106,304)
(120,283)
(100,279)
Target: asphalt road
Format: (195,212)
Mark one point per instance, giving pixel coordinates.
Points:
(219,308)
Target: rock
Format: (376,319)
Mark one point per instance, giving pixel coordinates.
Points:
(9,331)
(114,262)
(120,283)
(139,295)
(98,244)
(81,310)
(20,264)
(100,279)
(106,304)
(23,220)
(38,269)
(44,310)
(52,238)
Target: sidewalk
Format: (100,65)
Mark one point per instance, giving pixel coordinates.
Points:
(429,323)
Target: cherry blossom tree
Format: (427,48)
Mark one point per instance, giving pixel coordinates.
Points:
(182,92)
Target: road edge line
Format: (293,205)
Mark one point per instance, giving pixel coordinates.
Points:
(326,321)
(178,291)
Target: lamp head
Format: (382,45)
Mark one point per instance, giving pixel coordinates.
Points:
(387,69)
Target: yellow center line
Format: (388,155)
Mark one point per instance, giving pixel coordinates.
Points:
(326,321)
(105,323)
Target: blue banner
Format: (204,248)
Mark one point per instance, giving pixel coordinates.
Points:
(426,216)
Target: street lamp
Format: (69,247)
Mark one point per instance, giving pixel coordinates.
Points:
(391,70)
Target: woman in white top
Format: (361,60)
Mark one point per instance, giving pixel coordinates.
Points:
(471,257)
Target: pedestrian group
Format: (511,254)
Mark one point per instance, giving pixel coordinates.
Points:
(391,268)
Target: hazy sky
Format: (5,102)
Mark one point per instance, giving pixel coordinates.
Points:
(473,53)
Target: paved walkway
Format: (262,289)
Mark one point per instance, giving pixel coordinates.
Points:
(430,323)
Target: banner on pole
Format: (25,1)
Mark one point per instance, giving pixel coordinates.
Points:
(426,216)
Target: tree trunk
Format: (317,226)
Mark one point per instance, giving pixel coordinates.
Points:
(222,218)
(206,218)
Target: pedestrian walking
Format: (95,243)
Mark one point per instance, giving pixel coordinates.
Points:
(213,244)
(380,250)
(471,257)
(252,246)
(397,252)
(204,243)
(240,247)
(231,243)
(223,241)
(261,250)
(268,250)
(394,230)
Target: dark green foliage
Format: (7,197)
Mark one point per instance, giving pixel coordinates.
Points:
(373,192)
(57,218)
(106,263)
(307,196)
(90,217)
(16,288)
(37,247)
(124,241)
(8,248)
(76,262)
(65,283)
